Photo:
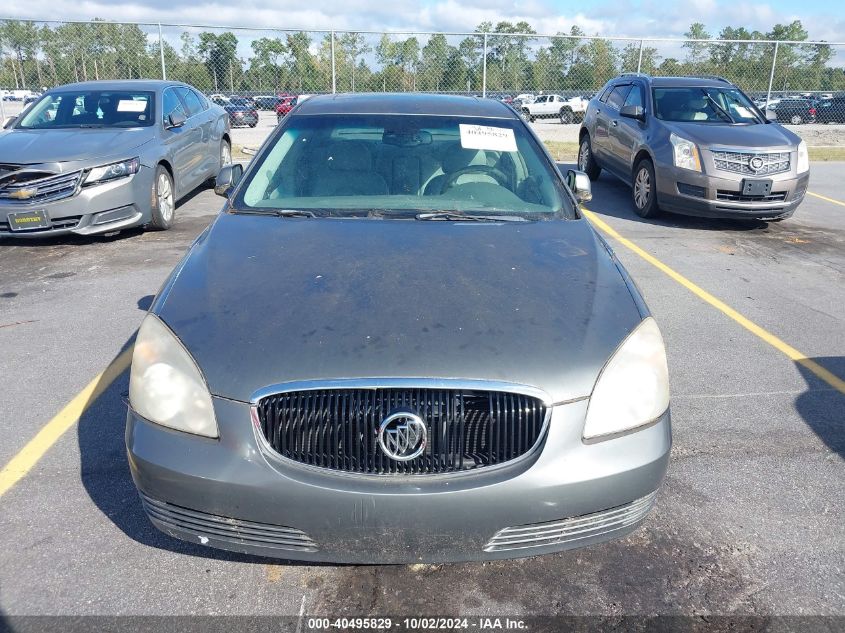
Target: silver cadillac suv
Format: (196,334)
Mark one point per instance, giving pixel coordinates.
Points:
(695,146)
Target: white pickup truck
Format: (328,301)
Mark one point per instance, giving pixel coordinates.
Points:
(552,106)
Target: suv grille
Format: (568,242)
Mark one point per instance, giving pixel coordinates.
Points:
(47,187)
(739,162)
(338,428)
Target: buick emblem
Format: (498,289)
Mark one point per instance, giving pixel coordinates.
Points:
(756,163)
(402,436)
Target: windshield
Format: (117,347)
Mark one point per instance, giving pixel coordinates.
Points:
(704,105)
(338,165)
(82,109)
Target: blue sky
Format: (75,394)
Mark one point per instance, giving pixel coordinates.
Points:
(824,19)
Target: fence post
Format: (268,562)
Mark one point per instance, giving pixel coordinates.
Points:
(771,79)
(640,60)
(161,51)
(484,69)
(2,109)
(334,68)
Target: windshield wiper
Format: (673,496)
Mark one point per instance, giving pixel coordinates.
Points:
(719,108)
(458,216)
(279,213)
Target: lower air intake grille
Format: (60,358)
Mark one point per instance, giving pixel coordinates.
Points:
(338,429)
(572,529)
(220,528)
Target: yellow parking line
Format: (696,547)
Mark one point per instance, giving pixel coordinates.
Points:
(830,378)
(35,449)
(821,197)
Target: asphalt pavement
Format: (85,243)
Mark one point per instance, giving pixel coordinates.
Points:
(749,521)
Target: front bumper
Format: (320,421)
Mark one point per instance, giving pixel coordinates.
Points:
(111,206)
(235,494)
(675,189)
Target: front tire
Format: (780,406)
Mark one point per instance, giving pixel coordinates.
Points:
(566,116)
(163,200)
(796,119)
(586,162)
(644,190)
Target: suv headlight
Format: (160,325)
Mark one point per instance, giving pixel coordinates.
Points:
(684,153)
(111,171)
(803,163)
(166,386)
(633,388)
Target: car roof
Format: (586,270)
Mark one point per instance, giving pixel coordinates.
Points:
(123,84)
(405,103)
(685,82)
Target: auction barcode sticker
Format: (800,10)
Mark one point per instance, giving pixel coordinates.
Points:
(131,105)
(499,139)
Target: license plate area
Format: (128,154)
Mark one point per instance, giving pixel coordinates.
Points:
(29,220)
(756,187)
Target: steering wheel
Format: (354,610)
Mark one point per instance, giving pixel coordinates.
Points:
(496,174)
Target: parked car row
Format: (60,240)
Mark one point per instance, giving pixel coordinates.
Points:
(102,156)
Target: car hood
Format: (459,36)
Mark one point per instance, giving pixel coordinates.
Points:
(264,300)
(757,136)
(51,146)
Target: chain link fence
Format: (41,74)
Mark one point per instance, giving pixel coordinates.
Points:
(272,62)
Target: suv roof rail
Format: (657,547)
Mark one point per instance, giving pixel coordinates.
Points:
(633,74)
(714,77)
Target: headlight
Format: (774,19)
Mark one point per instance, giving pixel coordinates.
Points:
(684,153)
(633,388)
(166,386)
(112,171)
(803,158)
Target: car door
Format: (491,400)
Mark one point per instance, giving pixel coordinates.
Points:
(626,135)
(538,107)
(206,150)
(178,141)
(607,117)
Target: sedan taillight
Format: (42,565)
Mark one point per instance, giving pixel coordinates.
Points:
(812,112)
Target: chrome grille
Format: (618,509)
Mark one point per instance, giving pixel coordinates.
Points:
(738,196)
(337,428)
(47,187)
(238,531)
(739,162)
(571,529)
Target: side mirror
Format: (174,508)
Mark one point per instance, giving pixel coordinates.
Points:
(7,123)
(175,119)
(227,178)
(579,184)
(633,112)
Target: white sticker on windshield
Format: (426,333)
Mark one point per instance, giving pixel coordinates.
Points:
(498,139)
(742,111)
(131,105)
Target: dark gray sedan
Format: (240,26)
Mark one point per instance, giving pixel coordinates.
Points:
(400,341)
(101,156)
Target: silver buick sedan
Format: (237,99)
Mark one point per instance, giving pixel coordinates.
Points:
(400,341)
(101,156)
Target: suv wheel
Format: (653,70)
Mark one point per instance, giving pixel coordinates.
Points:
(796,119)
(645,190)
(566,116)
(586,162)
(526,114)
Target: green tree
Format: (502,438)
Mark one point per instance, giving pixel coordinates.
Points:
(354,45)
(219,52)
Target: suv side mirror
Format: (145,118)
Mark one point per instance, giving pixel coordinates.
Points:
(9,121)
(227,178)
(633,112)
(175,119)
(579,184)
